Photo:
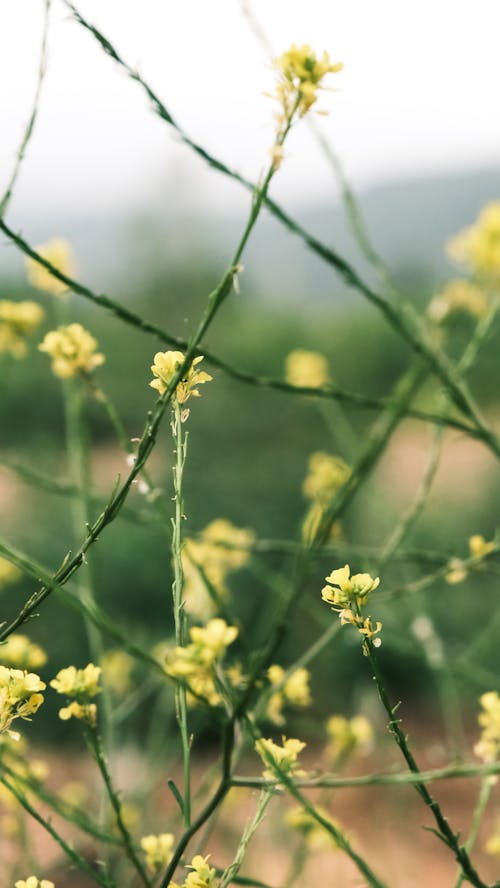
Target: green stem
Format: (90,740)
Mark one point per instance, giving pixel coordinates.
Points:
(233,869)
(178,603)
(103,879)
(444,831)
(95,747)
(484,796)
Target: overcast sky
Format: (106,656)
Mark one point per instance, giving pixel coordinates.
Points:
(419,94)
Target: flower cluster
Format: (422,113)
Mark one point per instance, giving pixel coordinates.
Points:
(315,835)
(58,253)
(479,548)
(201,876)
(9,573)
(18,320)
(158,850)
(325,476)
(347,595)
(293,691)
(22,653)
(488,746)
(348,736)
(34,882)
(165,366)
(478,246)
(300,78)
(458,296)
(220,549)
(73,351)
(117,667)
(280,759)
(80,686)
(195,663)
(306,368)
(20,696)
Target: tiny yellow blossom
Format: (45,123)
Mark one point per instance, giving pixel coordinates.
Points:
(457,571)
(73,351)
(58,253)
(85,711)
(220,548)
(166,364)
(18,320)
(301,75)
(280,759)
(478,246)
(488,746)
(20,696)
(315,835)
(215,637)
(346,589)
(83,684)
(293,690)
(326,475)
(9,573)
(347,595)
(19,651)
(117,667)
(158,850)
(458,295)
(348,736)
(306,368)
(34,882)
(479,547)
(202,875)
(195,663)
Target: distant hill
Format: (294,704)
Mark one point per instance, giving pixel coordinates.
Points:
(408,221)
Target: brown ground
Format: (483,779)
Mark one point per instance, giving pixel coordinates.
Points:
(385,824)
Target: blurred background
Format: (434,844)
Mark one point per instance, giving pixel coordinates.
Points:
(412,120)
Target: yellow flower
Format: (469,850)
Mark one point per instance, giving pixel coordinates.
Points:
(19,651)
(202,875)
(195,663)
(220,549)
(306,368)
(34,882)
(117,667)
(58,253)
(301,74)
(79,683)
(18,320)
(347,589)
(9,573)
(282,757)
(84,711)
(457,571)
(20,696)
(315,835)
(158,850)
(73,350)
(458,295)
(479,547)
(347,595)
(479,245)
(166,365)
(488,746)
(293,691)
(326,475)
(349,736)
